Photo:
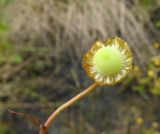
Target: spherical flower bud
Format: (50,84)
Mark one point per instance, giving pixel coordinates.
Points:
(108,62)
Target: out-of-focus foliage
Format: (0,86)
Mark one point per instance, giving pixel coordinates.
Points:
(8,52)
(147,81)
(5,2)
(148,4)
(151,128)
(5,129)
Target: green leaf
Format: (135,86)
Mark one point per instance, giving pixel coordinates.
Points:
(4,2)
(6,46)
(3,27)
(16,58)
(155,90)
(157,24)
(148,131)
(148,4)
(5,129)
(138,88)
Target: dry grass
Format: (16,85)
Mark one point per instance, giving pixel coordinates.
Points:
(72,26)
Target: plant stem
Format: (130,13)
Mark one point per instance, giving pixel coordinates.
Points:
(43,129)
(68,104)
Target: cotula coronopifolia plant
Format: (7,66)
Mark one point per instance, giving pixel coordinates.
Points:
(106,63)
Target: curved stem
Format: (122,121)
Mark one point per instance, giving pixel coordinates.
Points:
(68,104)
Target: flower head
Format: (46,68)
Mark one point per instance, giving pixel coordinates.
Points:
(108,62)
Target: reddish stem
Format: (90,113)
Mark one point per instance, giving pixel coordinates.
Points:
(68,104)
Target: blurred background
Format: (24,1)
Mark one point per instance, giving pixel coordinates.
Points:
(42,43)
